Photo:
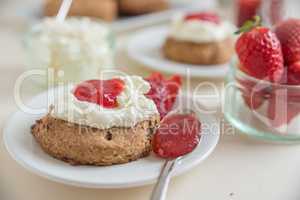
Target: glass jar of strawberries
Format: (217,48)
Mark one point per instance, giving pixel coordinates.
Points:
(263,93)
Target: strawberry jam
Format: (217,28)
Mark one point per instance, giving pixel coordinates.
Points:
(177,135)
(163,92)
(101,92)
(204,16)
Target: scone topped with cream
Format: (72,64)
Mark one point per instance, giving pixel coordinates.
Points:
(100,122)
(199,38)
(105,122)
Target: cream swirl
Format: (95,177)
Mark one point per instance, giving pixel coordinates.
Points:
(133,107)
(199,30)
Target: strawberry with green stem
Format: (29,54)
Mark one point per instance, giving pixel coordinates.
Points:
(260,56)
(259,51)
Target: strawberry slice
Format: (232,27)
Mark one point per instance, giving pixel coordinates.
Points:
(101,92)
(163,92)
(177,135)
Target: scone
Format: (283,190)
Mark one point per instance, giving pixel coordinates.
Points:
(105,9)
(100,122)
(85,145)
(208,53)
(199,38)
(137,7)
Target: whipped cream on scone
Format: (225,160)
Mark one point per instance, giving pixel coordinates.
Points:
(133,107)
(199,31)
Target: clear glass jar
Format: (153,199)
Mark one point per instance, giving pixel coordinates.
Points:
(78,49)
(262,109)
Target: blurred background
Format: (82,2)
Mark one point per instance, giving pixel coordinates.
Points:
(18,17)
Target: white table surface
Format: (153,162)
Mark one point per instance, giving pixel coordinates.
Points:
(239,168)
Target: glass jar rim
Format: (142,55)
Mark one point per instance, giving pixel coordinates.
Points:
(95,20)
(240,73)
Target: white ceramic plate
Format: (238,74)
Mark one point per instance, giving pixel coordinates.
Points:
(145,47)
(23,148)
(33,12)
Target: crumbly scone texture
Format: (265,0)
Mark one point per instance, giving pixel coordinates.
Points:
(137,7)
(105,9)
(84,145)
(198,53)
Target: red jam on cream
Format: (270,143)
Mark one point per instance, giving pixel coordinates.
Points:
(204,16)
(200,28)
(117,102)
(101,92)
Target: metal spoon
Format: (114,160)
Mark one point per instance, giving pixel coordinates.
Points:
(160,189)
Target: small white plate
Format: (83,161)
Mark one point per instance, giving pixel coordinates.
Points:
(145,47)
(24,149)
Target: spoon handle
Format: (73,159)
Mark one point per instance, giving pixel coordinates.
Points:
(63,10)
(160,190)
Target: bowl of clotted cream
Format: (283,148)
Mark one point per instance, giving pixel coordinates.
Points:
(77,49)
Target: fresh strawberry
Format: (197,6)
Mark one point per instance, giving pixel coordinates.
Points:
(276,9)
(259,52)
(283,106)
(283,101)
(288,32)
(291,75)
(293,79)
(253,97)
(163,92)
(204,16)
(247,9)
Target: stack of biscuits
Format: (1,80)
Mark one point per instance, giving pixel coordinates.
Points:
(108,10)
